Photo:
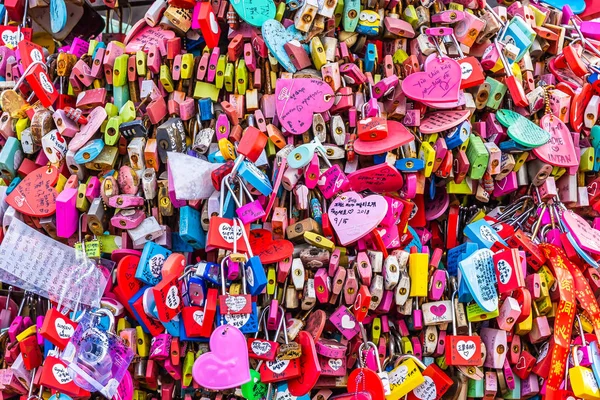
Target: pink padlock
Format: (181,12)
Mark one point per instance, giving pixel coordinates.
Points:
(495,343)
(160,347)
(333,181)
(66,213)
(66,126)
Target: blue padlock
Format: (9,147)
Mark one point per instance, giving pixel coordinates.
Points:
(190,227)
(151,262)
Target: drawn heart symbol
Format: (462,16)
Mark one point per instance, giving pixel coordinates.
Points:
(226,366)
(521,363)
(35,195)
(335,363)
(276,36)
(260,348)
(347,322)
(298,99)
(504,271)
(560,149)
(426,390)
(63,329)
(254,12)
(440,82)
(468,348)
(353,217)
(235,303)
(226,232)
(438,310)
(268,250)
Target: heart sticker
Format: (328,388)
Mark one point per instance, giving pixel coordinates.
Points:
(250,276)
(277,366)
(268,250)
(198,317)
(586,237)
(226,366)
(559,150)
(438,310)
(298,99)
(235,303)
(237,320)
(35,195)
(173,299)
(64,330)
(397,136)
(353,217)
(347,322)
(426,390)
(466,348)
(260,348)
(440,82)
(276,36)
(11,37)
(335,363)
(522,130)
(378,178)
(226,232)
(61,374)
(254,12)
(504,271)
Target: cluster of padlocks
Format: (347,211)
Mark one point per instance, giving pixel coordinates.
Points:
(301,199)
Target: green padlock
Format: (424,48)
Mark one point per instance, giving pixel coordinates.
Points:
(255,389)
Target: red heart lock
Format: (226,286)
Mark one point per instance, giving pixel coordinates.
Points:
(35,195)
(268,250)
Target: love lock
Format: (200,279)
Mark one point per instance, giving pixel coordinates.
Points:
(319,204)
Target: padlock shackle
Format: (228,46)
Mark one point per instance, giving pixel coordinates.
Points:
(27,70)
(411,357)
(281,325)
(361,349)
(106,313)
(246,240)
(581,332)
(453,312)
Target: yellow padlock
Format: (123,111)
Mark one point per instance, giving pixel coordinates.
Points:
(405,377)
(418,264)
(582,380)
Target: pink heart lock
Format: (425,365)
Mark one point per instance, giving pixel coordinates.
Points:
(586,237)
(298,99)
(378,178)
(226,366)
(95,120)
(397,136)
(559,150)
(354,217)
(440,82)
